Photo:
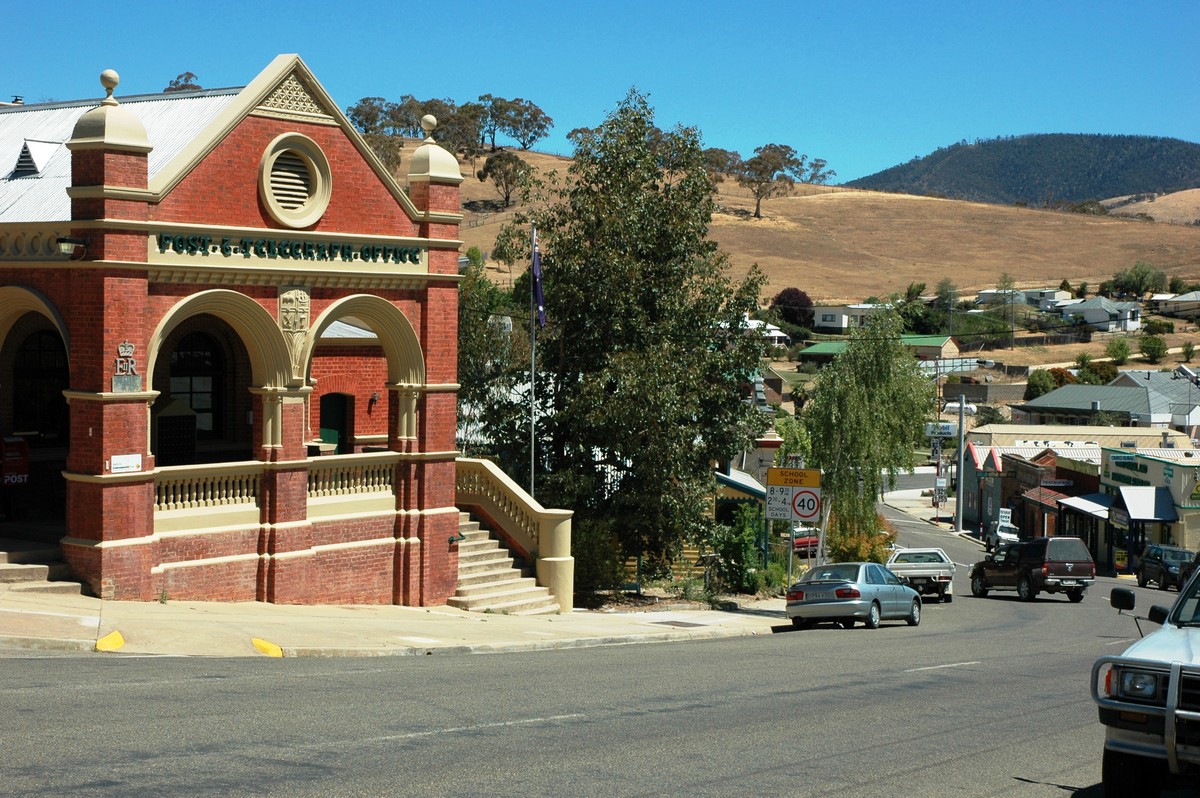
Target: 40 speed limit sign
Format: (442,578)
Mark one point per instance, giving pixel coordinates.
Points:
(806,504)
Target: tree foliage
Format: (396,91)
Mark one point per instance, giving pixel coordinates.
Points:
(1117,350)
(775,169)
(794,306)
(1153,347)
(184,81)
(1040,383)
(1046,169)
(645,361)
(1139,280)
(506,171)
(864,420)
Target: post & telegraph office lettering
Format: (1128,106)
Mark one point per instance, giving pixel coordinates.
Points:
(288,249)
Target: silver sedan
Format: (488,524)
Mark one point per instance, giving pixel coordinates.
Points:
(846,592)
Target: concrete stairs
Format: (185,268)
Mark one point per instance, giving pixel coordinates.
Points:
(489,581)
(27,565)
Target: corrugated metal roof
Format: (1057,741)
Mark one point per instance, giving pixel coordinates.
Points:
(172,120)
(1112,398)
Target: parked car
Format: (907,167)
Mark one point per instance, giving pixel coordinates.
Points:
(805,540)
(1051,565)
(1148,701)
(1187,568)
(1162,565)
(847,592)
(1000,533)
(927,571)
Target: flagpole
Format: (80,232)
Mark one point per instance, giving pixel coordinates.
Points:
(533,278)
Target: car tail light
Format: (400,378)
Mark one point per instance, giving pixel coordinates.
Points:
(795,595)
(847,592)
(1045,569)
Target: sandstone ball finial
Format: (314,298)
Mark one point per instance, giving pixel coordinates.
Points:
(428,124)
(109,79)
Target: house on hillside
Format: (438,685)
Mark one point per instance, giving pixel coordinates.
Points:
(841,319)
(1185,306)
(774,335)
(1156,399)
(1045,298)
(935,353)
(1000,296)
(1105,315)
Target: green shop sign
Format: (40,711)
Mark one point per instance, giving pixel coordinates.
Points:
(286,249)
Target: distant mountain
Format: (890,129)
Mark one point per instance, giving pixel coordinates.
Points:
(1046,169)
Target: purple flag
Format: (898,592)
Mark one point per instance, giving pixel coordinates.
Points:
(539,300)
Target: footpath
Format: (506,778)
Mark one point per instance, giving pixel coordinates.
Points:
(38,621)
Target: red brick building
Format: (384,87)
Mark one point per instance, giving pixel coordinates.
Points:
(203,294)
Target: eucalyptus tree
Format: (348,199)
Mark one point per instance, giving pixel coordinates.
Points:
(645,361)
(864,420)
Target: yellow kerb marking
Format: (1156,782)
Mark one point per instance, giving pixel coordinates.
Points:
(270,649)
(113,641)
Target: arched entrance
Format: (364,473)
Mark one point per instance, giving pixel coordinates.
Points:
(34,417)
(202,414)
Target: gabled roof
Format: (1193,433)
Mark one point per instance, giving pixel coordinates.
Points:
(1079,397)
(182,128)
(172,121)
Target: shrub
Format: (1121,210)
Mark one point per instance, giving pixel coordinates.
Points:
(1159,327)
(1189,349)
(599,564)
(1153,348)
(1117,350)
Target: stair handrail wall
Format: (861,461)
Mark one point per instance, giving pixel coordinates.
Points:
(540,534)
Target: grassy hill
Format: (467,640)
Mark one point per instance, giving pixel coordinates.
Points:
(1046,169)
(846,244)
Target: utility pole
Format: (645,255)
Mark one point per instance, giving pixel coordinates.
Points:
(958,486)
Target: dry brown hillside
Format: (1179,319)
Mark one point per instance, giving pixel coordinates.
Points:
(845,244)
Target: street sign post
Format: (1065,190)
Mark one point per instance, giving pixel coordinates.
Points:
(793,494)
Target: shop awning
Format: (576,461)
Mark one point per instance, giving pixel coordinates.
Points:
(1147,503)
(1094,504)
(739,482)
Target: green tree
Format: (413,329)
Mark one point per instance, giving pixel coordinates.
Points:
(1189,351)
(375,118)
(184,81)
(1153,347)
(1082,291)
(489,344)
(775,169)
(721,162)
(645,360)
(524,122)
(1117,350)
(864,421)
(1040,383)
(1139,280)
(506,170)
(1065,285)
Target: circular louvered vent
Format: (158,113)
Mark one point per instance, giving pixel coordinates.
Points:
(294,180)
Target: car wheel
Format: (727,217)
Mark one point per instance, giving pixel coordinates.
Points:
(847,623)
(802,623)
(1163,583)
(947,598)
(1025,589)
(1141,577)
(873,616)
(1129,776)
(978,586)
(1075,596)
(914,614)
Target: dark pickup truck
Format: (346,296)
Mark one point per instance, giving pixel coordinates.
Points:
(1050,565)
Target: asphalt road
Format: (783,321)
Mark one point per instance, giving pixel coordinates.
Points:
(987,697)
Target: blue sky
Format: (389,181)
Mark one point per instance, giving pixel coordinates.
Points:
(864,85)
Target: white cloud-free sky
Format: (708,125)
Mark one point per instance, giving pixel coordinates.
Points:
(864,85)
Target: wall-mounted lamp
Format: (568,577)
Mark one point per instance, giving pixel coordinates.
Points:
(74,248)
(375,396)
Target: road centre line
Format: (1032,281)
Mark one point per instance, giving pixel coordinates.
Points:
(940,667)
